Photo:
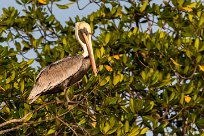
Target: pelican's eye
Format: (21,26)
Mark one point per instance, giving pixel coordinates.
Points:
(85,31)
(81,31)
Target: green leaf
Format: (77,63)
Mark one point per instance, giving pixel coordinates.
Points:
(64,41)
(39,41)
(161,127)
(15,85)
(6,110)
(126,126)
(132,105)
(26,44)
(198,58)
(65,6)
(112,130)
(196,44)
(102,51)
(125,109)
(189,53)
(51,131)
(143,74)
(143,7)
(172,96)
(92,18)
(112,121)
(116,79)
(106,127)
(182,98)
(192,5)
(18,46)
(111,100)
(139,105)
(98,53)
(105,81)
(22,85)
(150,106)
(201,20)
(8,80)
(180,2)
(107,38)
(190,89)
(29,62)
(29,117)
(144,131)
(134,132)
(82,121)
(13,73)
(20,112)
(200,122)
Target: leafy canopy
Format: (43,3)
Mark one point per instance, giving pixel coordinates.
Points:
(150,62)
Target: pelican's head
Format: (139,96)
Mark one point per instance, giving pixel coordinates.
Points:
(83,35)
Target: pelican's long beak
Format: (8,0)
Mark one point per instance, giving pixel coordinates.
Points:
(90,51)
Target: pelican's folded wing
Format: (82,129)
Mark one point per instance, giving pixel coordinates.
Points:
(54,74)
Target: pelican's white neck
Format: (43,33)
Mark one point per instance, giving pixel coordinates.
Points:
(85,53)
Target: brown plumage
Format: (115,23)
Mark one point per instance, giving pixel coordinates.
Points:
(61,74)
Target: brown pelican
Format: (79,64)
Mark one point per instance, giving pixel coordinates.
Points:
(61,74)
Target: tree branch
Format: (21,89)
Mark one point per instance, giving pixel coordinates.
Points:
(24,118)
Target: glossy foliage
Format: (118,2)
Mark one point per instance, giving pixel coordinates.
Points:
(150,62)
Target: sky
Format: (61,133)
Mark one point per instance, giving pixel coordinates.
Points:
(72,11)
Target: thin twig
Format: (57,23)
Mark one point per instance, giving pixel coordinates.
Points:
(66,124)
(149,25)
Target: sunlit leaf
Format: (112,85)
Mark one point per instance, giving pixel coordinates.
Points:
(6,110)
(143,74)
(132,105)
(82,121)
(29,117)
(116,57)
(102,50)
(30,61)
(126,126)
(175,63)
(105,81)
(187,99)
(93,123)
(196,44)
(201,67)
(107,38)
(116,79)
(201,20)
(192,5)
(51,131)
(190,17)
(42,1)
(180,2)
(134,132)
(108,68)
(144,131)
(143,7)
(106,127)
(187,9)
